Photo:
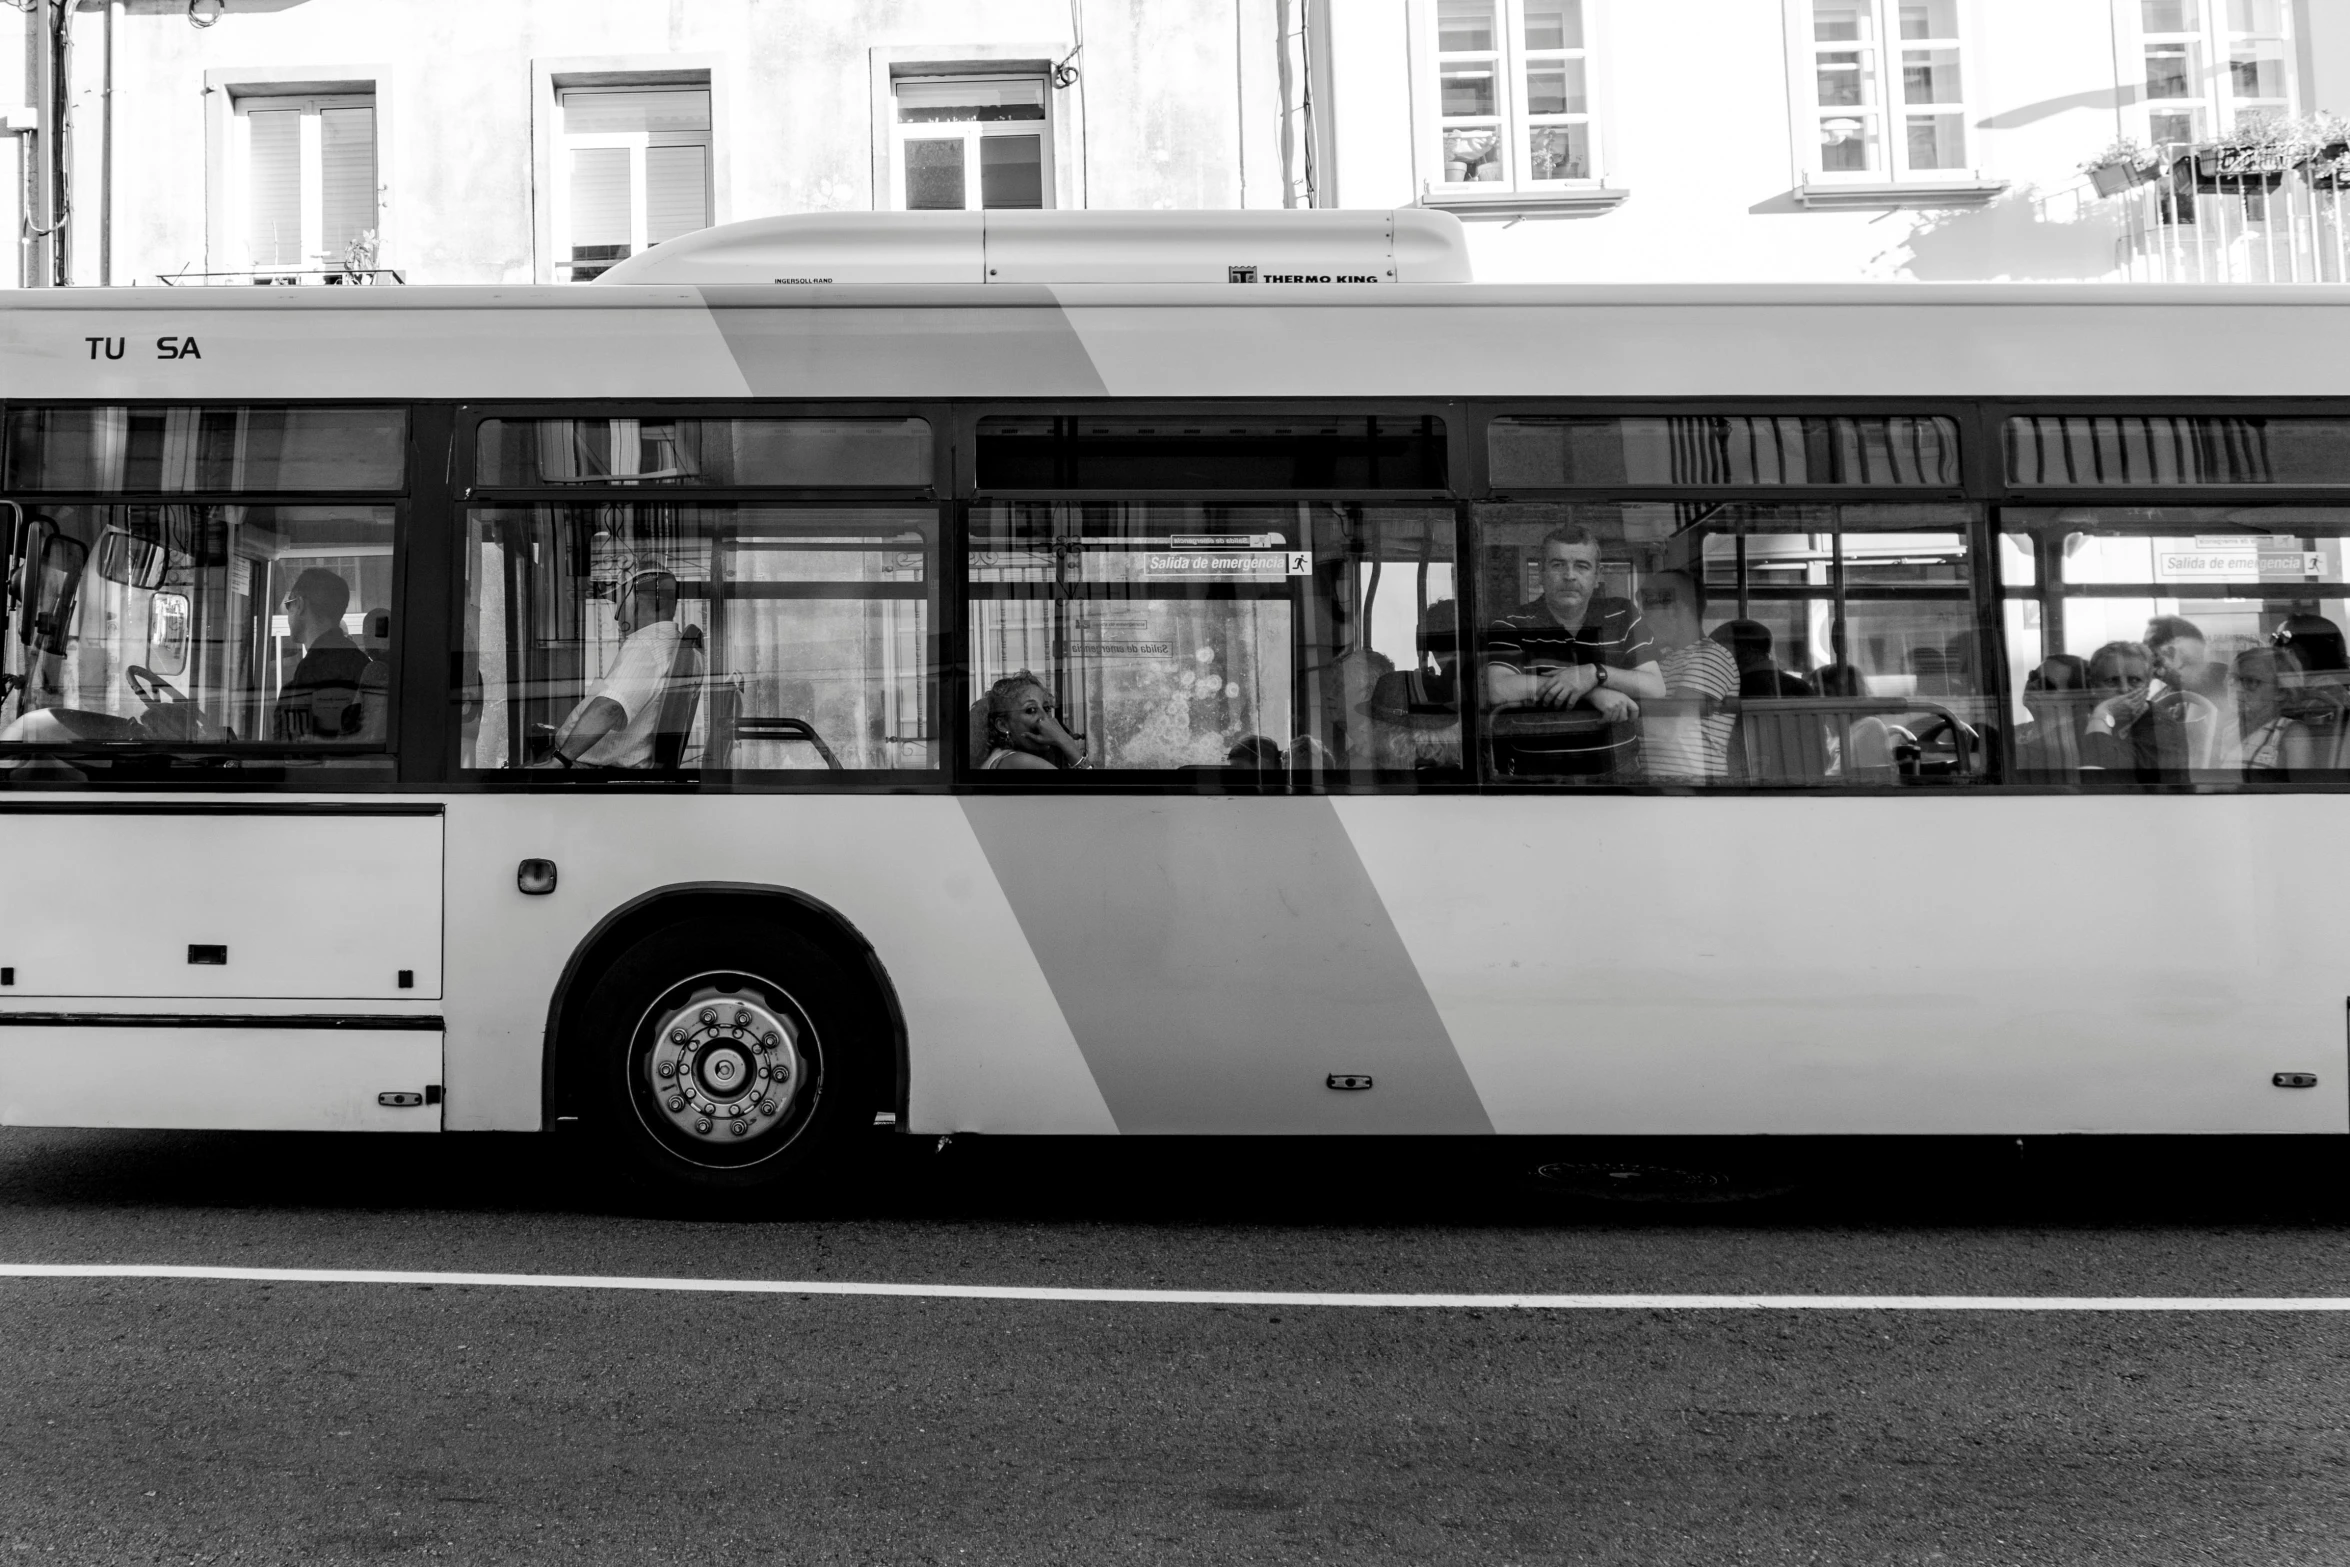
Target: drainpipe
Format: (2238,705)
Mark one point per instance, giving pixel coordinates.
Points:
(57,66)
(106,156)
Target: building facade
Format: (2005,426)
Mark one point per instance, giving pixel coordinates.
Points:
(538,141)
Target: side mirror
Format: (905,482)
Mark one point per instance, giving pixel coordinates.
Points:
(132,559)
(167,633)
(53,566)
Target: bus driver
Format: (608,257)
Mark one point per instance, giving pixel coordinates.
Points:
(613,725)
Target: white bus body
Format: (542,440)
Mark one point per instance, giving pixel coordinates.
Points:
(1544,962)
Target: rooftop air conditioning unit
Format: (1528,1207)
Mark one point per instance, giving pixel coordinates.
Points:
(1288,248)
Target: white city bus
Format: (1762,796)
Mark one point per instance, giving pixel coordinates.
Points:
(311,818)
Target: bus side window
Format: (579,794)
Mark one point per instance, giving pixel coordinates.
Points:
(635,637)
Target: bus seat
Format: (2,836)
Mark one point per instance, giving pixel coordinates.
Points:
(1781,741)
(726,706)
(679,701)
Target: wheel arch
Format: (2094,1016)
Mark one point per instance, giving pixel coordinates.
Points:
(632,921)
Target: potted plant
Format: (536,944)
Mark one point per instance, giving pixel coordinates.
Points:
(2325,142)
(2126,163)
(2254,158)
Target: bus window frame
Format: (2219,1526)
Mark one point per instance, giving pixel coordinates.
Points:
(258,765)
(1980,534)
(465,495)
(2000,496)
(1455,414)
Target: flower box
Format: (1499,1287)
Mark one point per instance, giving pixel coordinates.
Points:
(2234,170)
(2111,179)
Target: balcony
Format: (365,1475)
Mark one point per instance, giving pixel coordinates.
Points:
(2269,210)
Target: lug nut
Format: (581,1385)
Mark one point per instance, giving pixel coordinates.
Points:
(667,1069)
(675,1104)
(772,1039)
(741,1127)
(702,1126)
(678,1036)
(782,1072)
(742,1018)
(709,1016)
(768,1108)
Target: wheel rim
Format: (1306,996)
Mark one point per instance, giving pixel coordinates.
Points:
(725,1069)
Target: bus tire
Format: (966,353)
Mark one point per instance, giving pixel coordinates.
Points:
(726,1056)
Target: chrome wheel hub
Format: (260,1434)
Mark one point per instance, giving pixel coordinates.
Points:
(724,1067)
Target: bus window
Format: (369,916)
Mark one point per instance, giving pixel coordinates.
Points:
(618,638)
(2164,449)
(1162,633)
(675,452)
(1706,644)
(224,631)
(1282,646)
(1537,452)
(1380,650)
(2179,645)
(178,451)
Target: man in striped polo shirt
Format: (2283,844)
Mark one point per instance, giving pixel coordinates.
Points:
(1565,675)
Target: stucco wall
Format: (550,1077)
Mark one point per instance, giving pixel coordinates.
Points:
(796,106)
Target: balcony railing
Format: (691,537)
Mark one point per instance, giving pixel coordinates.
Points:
(2239,215)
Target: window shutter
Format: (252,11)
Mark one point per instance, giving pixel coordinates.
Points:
(347,172)
(273,184)
(599,205)
(677,185)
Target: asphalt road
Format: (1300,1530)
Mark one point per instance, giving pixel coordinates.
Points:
(173,1420)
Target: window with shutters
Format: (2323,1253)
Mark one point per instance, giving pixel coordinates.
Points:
(634,171)
(306,179)
(971,142)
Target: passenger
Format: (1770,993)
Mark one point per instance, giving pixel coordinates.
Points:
(1255,751)
(1759,674)
(2133,728)
(1022,733)
(2274,741)
(2058,698)
(2182,657)
(321,698)
(614,725)
(1572,648)
(2316,643)
(1691,746)
(2318,696)
(1309,755)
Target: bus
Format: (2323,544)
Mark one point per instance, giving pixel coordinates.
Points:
(1076,673)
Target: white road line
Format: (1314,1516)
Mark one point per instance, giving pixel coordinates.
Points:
(1125,1297)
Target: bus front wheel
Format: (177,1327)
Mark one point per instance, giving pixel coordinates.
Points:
(725,1056)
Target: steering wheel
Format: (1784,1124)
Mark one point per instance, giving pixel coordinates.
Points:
(151,688)
(1941,739)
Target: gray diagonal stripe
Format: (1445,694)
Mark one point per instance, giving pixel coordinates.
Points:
(1217,959)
